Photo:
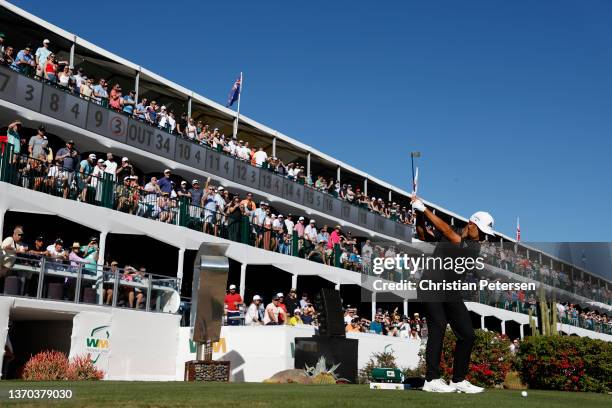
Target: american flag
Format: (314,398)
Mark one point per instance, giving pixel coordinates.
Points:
(518,230)
(234,93)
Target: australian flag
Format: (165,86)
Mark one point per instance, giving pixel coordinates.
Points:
(234,93)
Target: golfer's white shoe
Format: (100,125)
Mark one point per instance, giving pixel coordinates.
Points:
(437,385)
(466,387)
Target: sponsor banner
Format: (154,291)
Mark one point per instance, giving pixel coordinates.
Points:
(91,334)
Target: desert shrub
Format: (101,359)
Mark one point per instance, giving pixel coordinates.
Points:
(47,365)
(53,365)
(82,368)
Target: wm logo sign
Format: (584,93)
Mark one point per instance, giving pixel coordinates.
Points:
(97,343)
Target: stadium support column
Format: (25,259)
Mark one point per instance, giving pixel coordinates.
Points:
(100,274)
(365,186)
(308,165)
(503,327)
(71,58)
(2,213)
(373,305)
(390,196)
(521,331)
(338,174)
(294,281)
(179,268)
(482,322)
(137,86)
(242,279)
(189,100)
(405,307)
(274,146)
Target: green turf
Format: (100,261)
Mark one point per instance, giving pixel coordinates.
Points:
(180,394)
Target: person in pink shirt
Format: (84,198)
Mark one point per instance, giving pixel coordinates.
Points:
(335,237)
(115,97)
(299,227)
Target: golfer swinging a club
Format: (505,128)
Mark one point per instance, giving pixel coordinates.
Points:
(444,307)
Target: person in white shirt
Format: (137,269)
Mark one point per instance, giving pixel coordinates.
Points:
(255,312)
(56,250)
(218,198)
(111,165)
(260,157)
(289,225)
(11,246)
(310,233)
(171,122)
(232,146)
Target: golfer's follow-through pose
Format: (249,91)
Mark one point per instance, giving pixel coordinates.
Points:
(444,306)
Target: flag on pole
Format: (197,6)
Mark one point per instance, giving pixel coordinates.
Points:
(235,92)
(518,230)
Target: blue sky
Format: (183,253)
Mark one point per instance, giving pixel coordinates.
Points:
(510,102)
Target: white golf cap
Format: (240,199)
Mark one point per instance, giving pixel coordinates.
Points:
(301,219)
(484,221)
(256,297)
(312,221)
(280,294)
(221,188)
(125,159)
(232,286)
(297,311)
(92,156)
(46,41)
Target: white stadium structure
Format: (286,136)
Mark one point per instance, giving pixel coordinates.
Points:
(51,305)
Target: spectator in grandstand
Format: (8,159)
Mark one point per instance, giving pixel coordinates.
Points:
(282,319)
(38,143)
(255,312)
(42,54)
(292,301)
(39,248)
(310,235)
(165,183)
(514,346)
(11,246)
(140,277)
(64,77)
(377,325)
(274,314)
(69,159)
(24,62)
(100,94)
(318,253)
(109,282)
(14,139)
(308,314)
(85,170)
(353,326)
(2,35)
(111,166)
(79,78)
(6,56)
(234,217)
(261,157)
(56,251)
(233,303)
(115,98)
(126,169)
(128,102)
(296,318)
(86,90)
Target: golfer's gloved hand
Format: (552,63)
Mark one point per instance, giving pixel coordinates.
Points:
(418,205)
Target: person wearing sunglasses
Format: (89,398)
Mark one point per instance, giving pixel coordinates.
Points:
(11,246)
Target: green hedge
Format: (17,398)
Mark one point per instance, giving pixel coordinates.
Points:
(566,363)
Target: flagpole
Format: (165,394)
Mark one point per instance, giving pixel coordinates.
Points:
(238,109)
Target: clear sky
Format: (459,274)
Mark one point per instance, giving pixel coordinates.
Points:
(510,102)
